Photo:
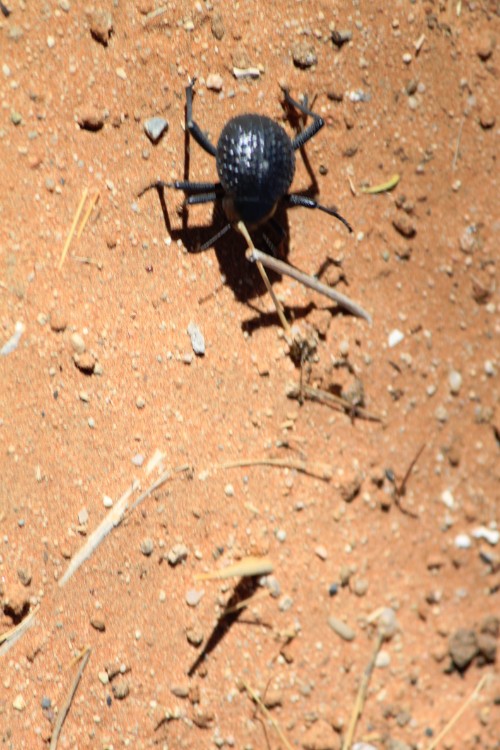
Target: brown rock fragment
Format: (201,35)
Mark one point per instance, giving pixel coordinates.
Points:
(463,647)
(101,26)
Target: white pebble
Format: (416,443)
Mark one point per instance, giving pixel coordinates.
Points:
(229,490)
(280,535)
(194,597)
(455,382)
(463,541)
(383,659)
(448,499)
(492,536)
(197,339)
(51,42)
(489,368)
(107,501)
(395,337)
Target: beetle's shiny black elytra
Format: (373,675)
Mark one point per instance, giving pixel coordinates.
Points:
(256,164)
(255,161)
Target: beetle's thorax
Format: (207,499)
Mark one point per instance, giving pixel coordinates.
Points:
(256,164)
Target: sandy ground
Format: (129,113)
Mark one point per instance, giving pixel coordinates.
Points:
(398,516)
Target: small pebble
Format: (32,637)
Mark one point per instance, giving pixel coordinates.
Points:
(321,552)
(455,382)
(177,554)
(395,337)
(83,517)
(120,688)
(441,414)
(342,629)
(229,490)
(197,339)
(45,703)
(360,586)
(304,55)
(98,624)
(463,541)
(448,499)
(77,343)
(285,603)
(194,597)
(492,536)
(280,535)
(382,660)
(214,82)
(140,402)
(333,589)
(194,636)
(138,459)
(155,127)
(147,547)
(19,704)
(107,501)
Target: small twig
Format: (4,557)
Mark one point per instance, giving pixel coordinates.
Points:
(435,742)
(253,695)
(110,520)
(277,304)
(85,656)
(401,490)
(73,227)
(317,394)
(247,567)
(281,267)
(92,203)
(154,14)
(361,696)
(318,470)
(455,157)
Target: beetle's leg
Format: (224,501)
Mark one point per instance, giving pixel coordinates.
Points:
(193,127)
(194,200)
(309,132)
(195,187)
(302,200)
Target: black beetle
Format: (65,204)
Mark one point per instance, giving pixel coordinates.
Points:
(255,160)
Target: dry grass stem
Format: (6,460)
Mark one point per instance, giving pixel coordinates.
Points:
(435,742)
(85,656)
(73,227)
(93,201)
(249,566)
(361,696)
(112,519)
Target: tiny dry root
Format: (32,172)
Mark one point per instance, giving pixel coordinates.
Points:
(84,656)
(253,695)
(321,396)
(316,470)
